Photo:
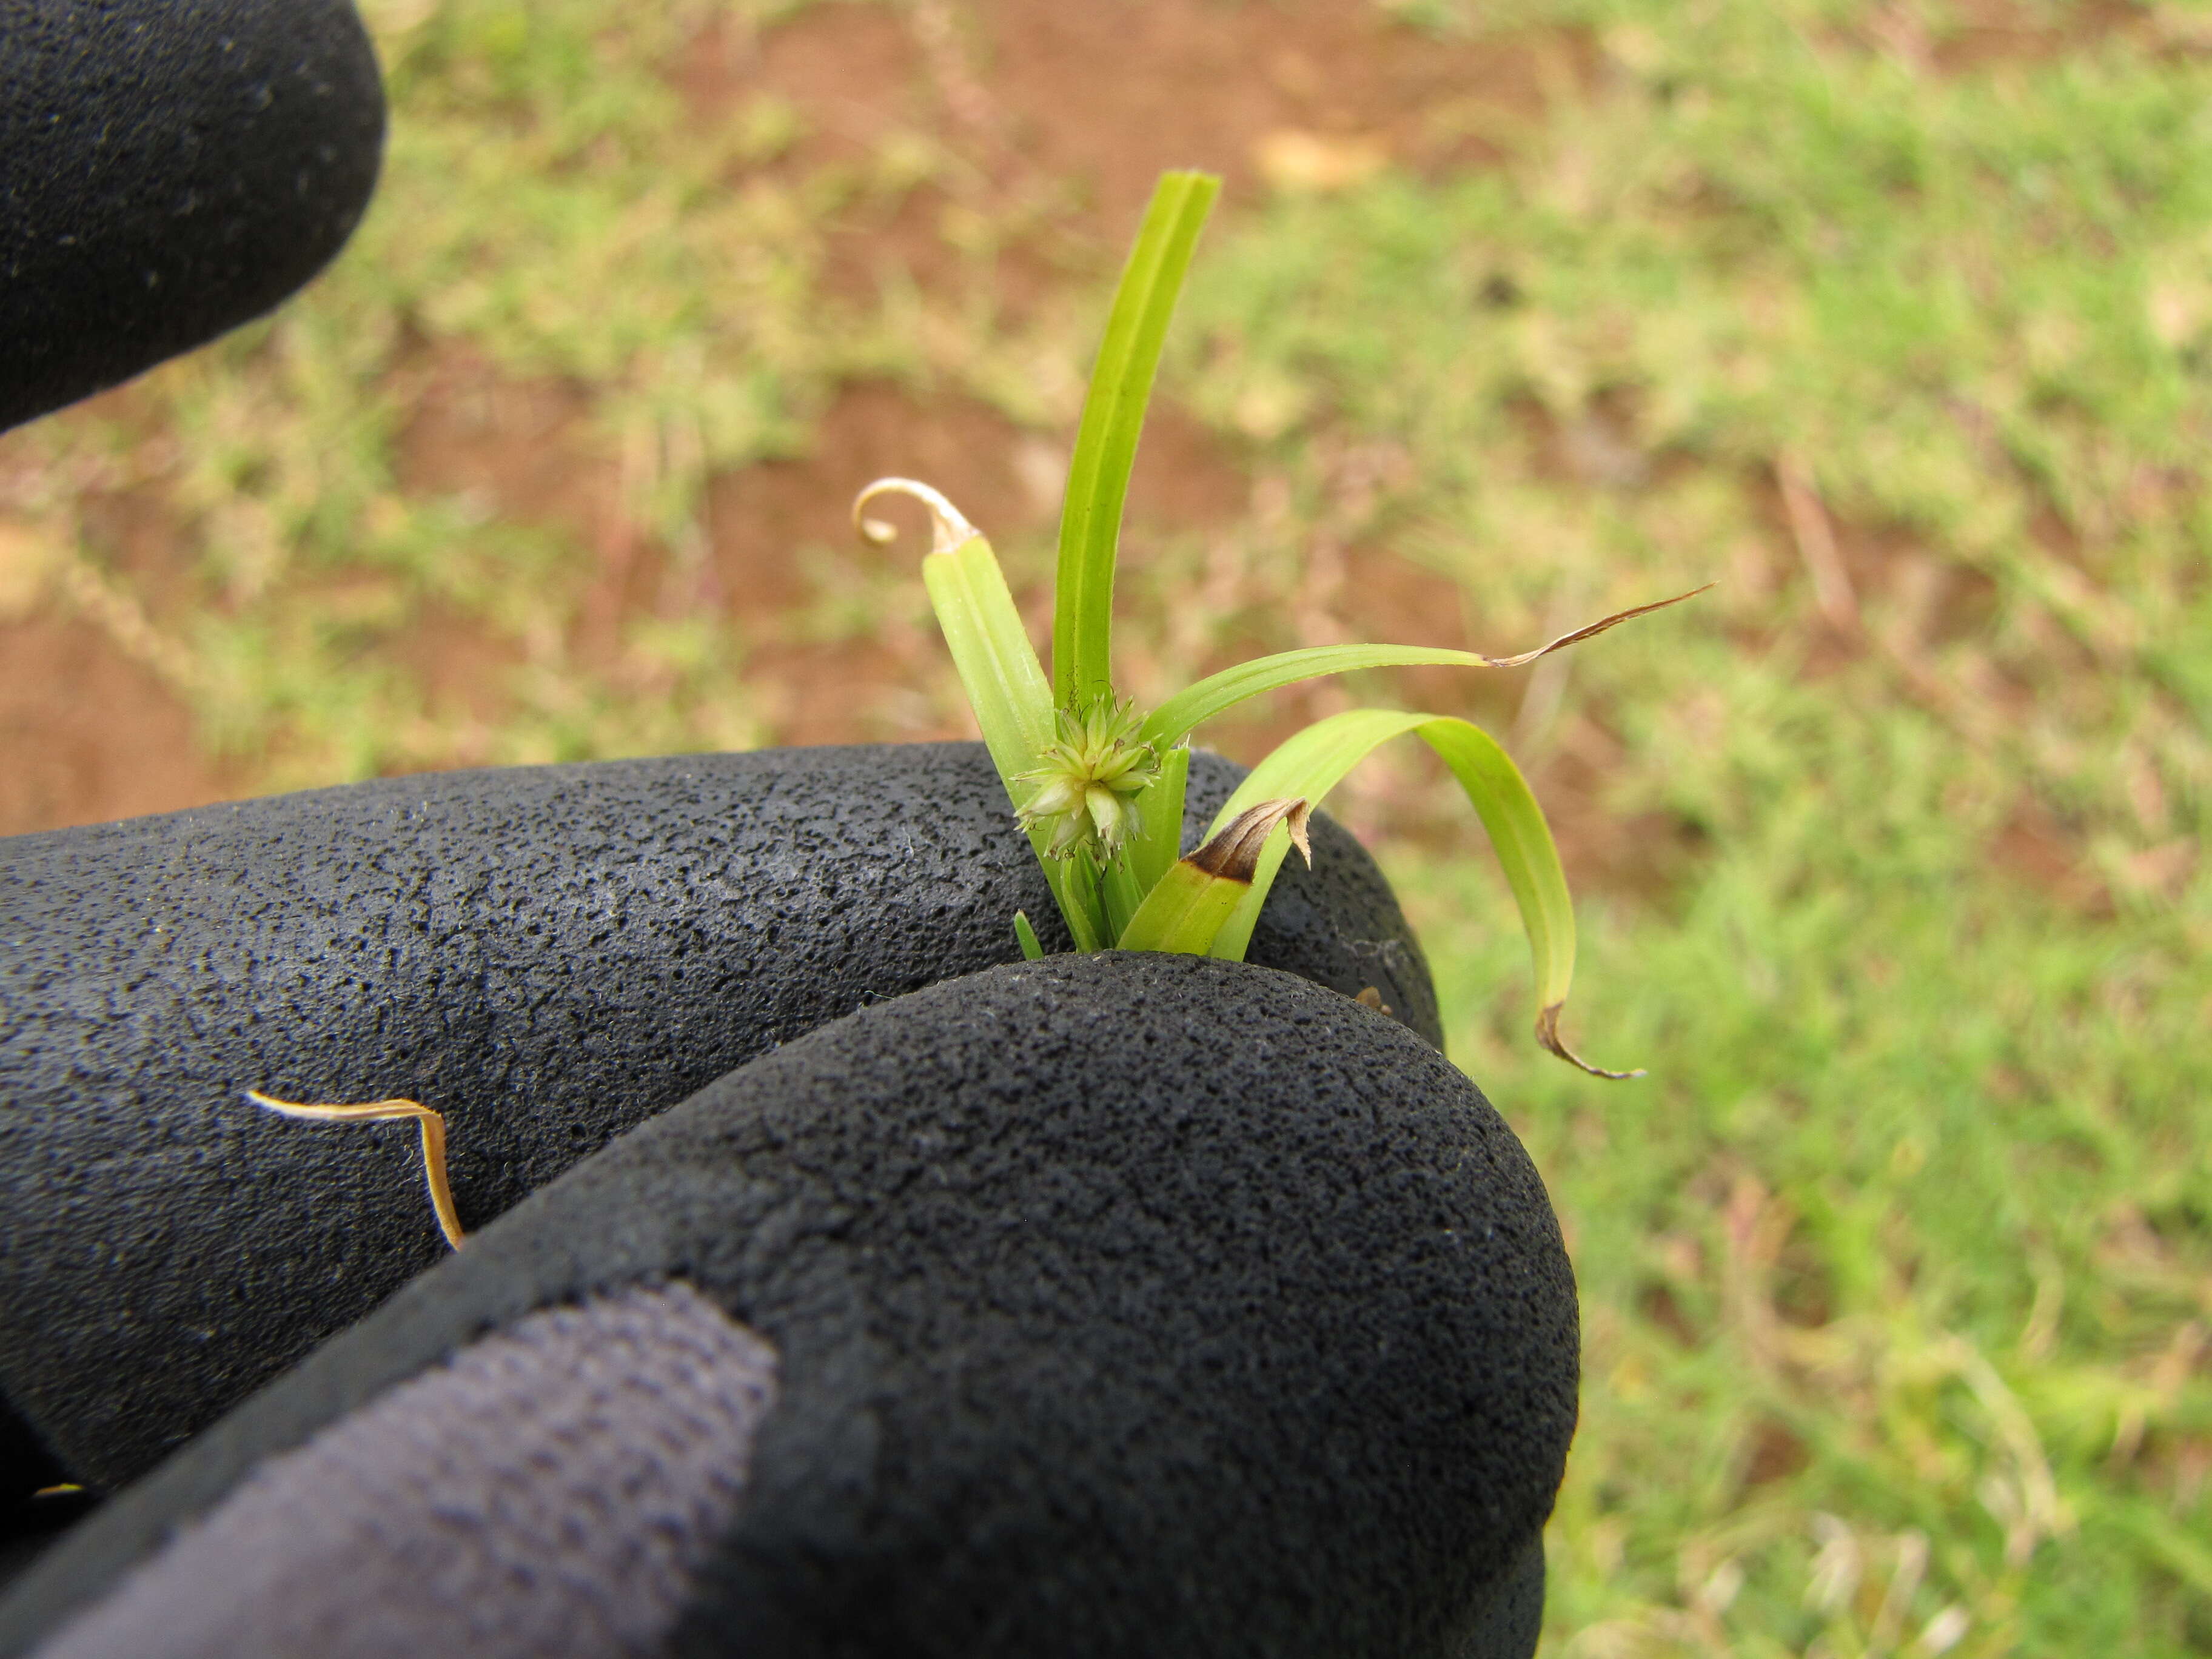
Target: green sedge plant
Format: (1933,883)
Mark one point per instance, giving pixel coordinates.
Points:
(1098,783)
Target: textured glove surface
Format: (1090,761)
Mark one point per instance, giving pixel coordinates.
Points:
(168,169)
(547,955)
(1119,1305)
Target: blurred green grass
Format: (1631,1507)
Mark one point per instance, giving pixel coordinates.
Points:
(1896,320)
(1898,1273)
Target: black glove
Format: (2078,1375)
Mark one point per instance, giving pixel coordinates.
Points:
(168,169)
(1111,1305)
(547,955)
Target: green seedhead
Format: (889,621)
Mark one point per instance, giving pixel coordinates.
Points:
(1097,785)
(1085,790)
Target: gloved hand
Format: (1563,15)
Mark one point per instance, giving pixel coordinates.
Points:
(546,954)
(1111,1305)
(168,170)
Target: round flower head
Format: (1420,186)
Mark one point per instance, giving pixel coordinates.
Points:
(1093,771)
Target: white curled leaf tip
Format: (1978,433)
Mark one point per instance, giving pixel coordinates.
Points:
(949,526)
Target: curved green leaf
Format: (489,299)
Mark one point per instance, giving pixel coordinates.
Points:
(1152,849)
(1191,707)
(1176,718)
(998,666)
(1314,760)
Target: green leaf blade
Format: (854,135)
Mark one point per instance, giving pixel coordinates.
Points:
(1151,851)
(1011,700)
(1106,442)
(1119,891)
(991,650)
(1075,884)
(1181,714)
(1526,853)
(1183,912)
(1235,938)
(1313,762)
(1191,707)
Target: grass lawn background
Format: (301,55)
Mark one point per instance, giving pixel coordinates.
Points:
(1895,320)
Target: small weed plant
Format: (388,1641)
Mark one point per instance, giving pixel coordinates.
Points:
(1097,783)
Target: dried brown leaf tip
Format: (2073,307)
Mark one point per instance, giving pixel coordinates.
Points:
(1590,630)
(1548,1033)
(432,1125)
(1234,853)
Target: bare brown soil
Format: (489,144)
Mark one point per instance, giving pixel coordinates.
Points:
(1990,33)
(1110,95)
(88,729)
(86,735)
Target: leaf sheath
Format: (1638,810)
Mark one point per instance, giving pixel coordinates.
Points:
(1190,904)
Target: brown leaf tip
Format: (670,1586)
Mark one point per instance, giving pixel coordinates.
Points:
(432,1124)
(1548,1033)
(1234,853)
(1593,629)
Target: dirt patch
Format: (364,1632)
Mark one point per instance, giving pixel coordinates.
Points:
(521,451)
(512,447)
(2037,849)
(1646,855)
(1063,116)
(87,735)
(1187,477)
(1991,36)
(90,729)
(1773,1452)
(1660,1306)
(1856,572)
(1005,480)
(834,652)
(1987,34)
(850,71)
(1108,96)
(855,77)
